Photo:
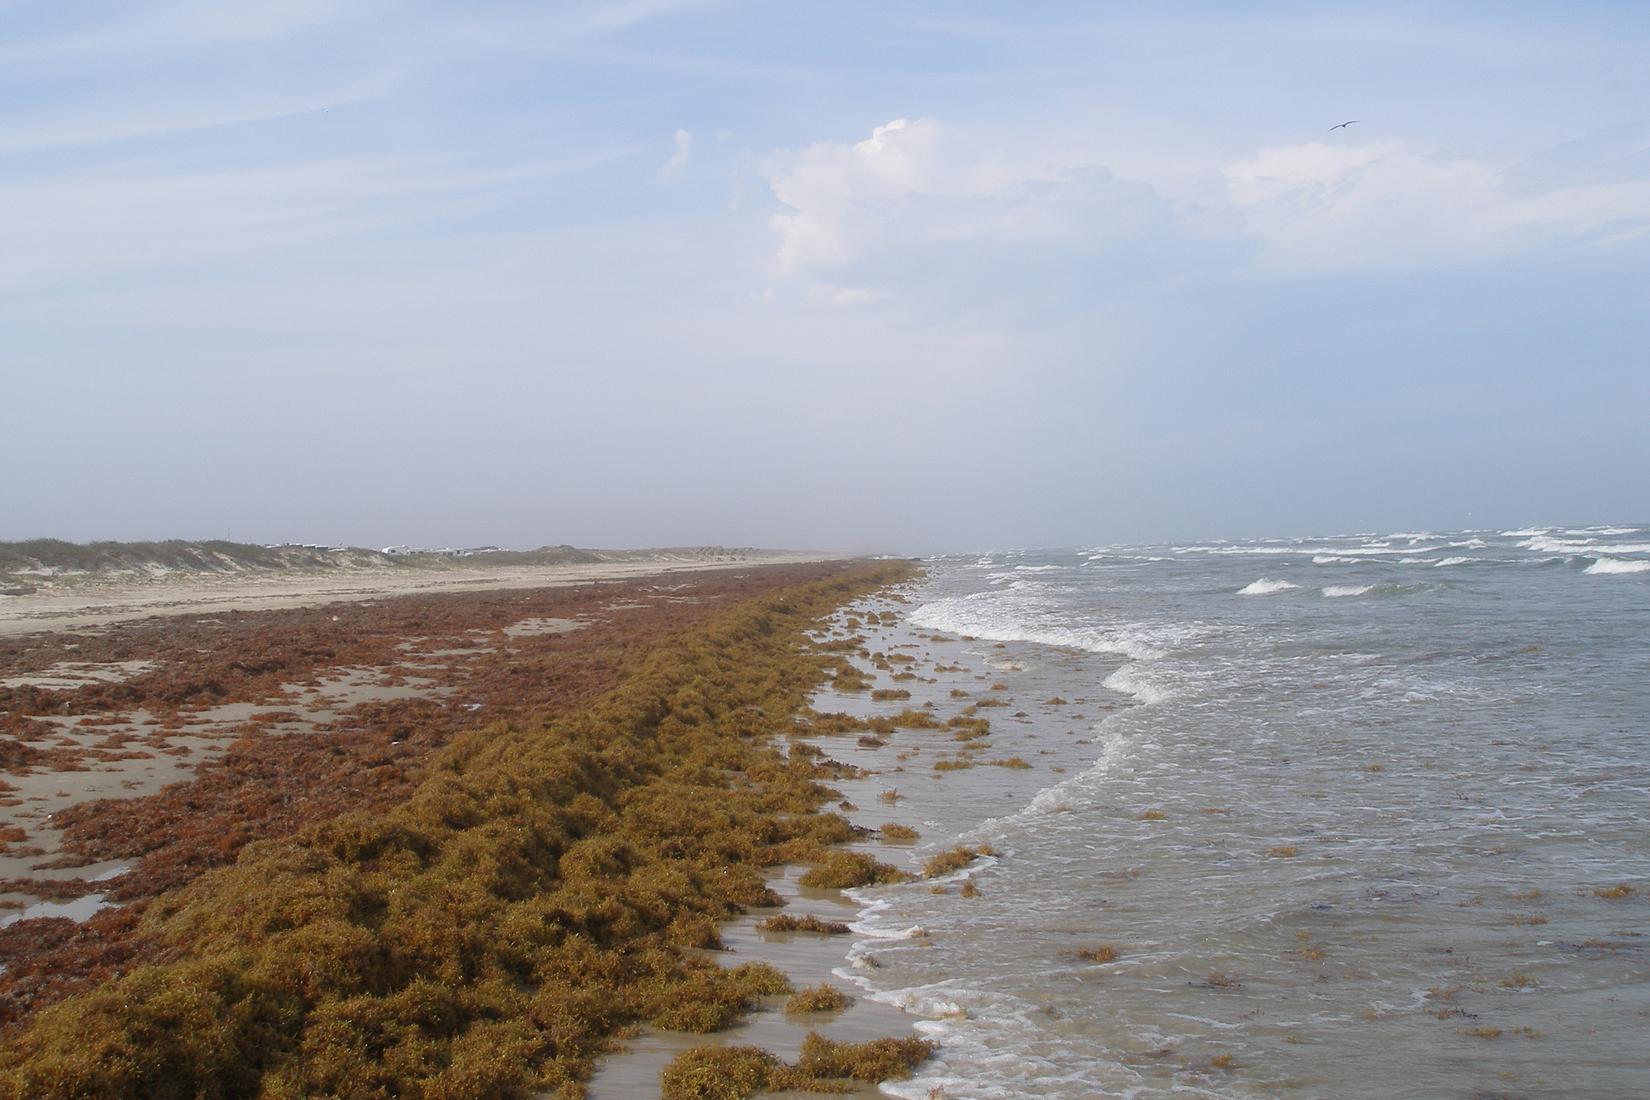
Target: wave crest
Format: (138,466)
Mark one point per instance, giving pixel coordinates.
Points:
(1265,587)
(1617,565)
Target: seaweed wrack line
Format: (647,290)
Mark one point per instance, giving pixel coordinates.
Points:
(543,887)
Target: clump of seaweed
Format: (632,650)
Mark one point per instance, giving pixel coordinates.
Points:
(1217,980)
(1105,953)
(888,694)
(897,832)
(1615,893)
(849,677)
(785,922)
(719,1073)
(954,859)
(817,999)
(842,870)
(873,1061)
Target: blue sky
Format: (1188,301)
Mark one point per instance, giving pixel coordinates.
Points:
(878,276)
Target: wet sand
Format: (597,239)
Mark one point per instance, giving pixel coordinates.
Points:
(807,958)
(895,783)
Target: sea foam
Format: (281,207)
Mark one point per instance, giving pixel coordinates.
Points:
(1265,587)
(1617,565)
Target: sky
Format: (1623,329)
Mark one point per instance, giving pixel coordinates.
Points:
(894,276)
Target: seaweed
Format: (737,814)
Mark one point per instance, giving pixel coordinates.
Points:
(543,882)
(817,999)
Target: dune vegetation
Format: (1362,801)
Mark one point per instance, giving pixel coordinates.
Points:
(546,884)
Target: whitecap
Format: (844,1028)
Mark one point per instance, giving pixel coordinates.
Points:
(1617,565)
(1129,680)
(1347,590)
(1545,544)
(1265,586)
(1455,561)
(1010,615)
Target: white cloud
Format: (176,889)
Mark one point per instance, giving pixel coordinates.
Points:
(682,153)
(1319,207)
(920,206)
(831,187)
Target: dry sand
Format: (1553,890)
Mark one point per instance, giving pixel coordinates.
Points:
(95,603)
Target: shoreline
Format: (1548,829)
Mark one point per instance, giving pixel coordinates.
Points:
(888,777)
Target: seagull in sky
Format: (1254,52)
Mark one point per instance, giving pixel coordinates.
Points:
(1342,125)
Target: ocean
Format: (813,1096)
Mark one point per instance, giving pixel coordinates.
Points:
(1320,817)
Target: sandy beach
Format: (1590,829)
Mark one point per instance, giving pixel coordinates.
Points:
(95,601)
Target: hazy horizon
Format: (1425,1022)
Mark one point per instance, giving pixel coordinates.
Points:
(892,278)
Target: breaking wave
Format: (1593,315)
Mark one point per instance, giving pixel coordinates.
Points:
(1617,565)
(1265,587)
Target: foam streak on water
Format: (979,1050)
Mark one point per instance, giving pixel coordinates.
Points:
(1365,827)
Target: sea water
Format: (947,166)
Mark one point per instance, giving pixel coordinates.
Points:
(1357,816)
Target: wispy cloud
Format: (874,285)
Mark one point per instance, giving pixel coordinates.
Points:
(102,221)
(152,29)
(178,115)
(1319,207)
(681,153)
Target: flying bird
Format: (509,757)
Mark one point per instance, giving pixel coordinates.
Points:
(1342,125)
